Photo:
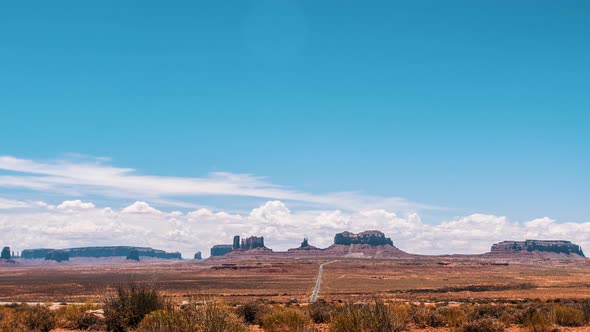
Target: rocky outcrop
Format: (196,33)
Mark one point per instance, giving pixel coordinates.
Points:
(99,252)
(133,255)
(373,238)
(58,256)
(539,246)
(5,254)
(198,256)
(305,246)
(221,249)
(252,242)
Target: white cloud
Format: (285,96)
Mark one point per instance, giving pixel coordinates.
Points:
(7,204)
(142,225)
(82,177)
(75,205)
(141,208)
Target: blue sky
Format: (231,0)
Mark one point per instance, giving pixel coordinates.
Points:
(466,106)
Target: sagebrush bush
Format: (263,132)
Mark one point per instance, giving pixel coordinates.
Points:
(568,316)
(252,312)
(586,309)
(130,303)
(424,316)
(540,321)
(452,316)
(481,325)
(26,318)
(77,317)
(194,317)
(320,311)
(486,310)
(374,317)
(280,319)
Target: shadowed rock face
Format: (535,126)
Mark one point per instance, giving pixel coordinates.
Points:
(221,249)
(373,238)
(133,255)
(252,242)
(557,247)
(102,252)
(5,253)
(57,255)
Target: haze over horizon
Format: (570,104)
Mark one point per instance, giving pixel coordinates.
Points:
(448,127)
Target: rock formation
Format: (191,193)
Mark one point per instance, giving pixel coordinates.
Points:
(58,256)
(221,249)
(305,246)
(198,256)
(236,245)
(133,255)
(542,246)
(373,238)
(102,252)
(252,242)
(5,253)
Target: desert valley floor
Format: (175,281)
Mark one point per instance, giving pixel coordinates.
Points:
(412,279)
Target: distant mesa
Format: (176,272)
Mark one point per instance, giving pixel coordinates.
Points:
(221,249)
(373,238)
(58,256)
(250,243)
(198,256)
(133,255)
(542,247)
(5,253)
(100,252)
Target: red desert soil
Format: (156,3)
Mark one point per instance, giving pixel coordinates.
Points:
(412,279)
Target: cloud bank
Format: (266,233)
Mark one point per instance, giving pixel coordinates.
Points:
(79,223)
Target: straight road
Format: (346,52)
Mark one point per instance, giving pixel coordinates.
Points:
(318,282)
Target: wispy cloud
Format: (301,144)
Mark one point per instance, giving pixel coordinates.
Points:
(86,176)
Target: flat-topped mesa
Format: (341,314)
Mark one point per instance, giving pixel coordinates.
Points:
(58,256)
(373,238)
(100,252)
(557,247)
(221,249)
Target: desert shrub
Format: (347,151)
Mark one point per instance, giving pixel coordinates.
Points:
(539,321)
(77,317)
(320,311)
(252,312)
(486,310)
(481,325)
(28,318)
(375,317)
(511,315)
(586,309)
(424,316)
(286,320)
(452,316)
(194,317)
(568,316)
(129,304)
